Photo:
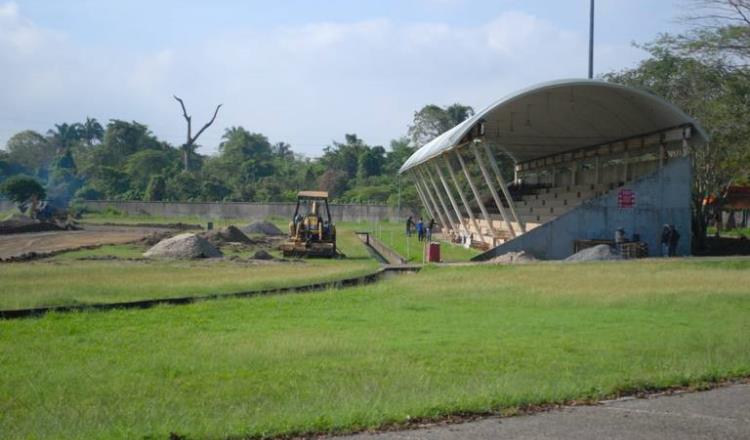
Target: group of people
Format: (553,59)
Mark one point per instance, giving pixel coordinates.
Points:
(424,232)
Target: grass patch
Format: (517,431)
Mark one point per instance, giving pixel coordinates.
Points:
(394,235)
(446,340)
(65,279)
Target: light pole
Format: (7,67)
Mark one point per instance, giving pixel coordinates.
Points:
(591,41)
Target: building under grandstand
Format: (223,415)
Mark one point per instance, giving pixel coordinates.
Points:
(559,166)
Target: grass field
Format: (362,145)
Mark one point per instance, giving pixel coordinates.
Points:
(70,278)
(446,340)
(393,235)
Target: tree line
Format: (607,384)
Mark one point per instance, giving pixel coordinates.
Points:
(124,160)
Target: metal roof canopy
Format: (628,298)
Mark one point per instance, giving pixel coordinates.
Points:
(560,116)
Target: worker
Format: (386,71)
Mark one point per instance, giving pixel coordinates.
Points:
(666,237)
(409,224)
(420,230)
(674,238)
(430,228)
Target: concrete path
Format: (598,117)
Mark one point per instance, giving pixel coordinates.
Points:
(723,413)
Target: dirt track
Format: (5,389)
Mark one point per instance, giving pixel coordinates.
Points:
(41,242)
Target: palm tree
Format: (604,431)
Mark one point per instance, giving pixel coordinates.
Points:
(91,130)
(64,135)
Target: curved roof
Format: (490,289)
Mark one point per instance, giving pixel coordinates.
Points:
(560,116)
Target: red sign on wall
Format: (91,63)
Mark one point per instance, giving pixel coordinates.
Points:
(626,198)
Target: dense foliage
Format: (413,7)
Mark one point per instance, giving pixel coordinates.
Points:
(126,161)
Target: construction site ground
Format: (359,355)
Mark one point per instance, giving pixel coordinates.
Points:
(17,245)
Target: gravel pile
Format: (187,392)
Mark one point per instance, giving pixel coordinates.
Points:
(262,227)
(600,252)
(513,258)
(183,246)
(230,234)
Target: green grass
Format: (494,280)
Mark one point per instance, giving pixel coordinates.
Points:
(736,232)
(66,280)
(447,340)
(394,236)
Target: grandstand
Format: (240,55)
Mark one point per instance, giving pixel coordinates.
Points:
(558,163)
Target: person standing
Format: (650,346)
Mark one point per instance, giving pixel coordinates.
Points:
(430,228)
(420,230)
(666,238)
(674,238)
(409,224)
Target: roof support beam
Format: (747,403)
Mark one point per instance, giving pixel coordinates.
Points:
(432,199)
(503,186)
(450,197)
(422,194)
(447,213)
(463,198)
(477,196)
(493,191)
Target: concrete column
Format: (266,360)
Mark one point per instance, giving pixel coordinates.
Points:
(464,200)
(439,217)
(425,168)
(503,186)
(425,196)
(495,195)
(422,196)
(450,196)
(477,196)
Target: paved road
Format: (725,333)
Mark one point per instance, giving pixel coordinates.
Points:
(722,413)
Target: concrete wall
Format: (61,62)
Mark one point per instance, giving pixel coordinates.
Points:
(342,212)
(661,197)
(6,205)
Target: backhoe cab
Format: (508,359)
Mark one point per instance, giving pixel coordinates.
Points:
(311,231)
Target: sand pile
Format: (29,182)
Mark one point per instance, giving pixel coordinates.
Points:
(230,234)
(513,258)
(183,246)
(600,252)
(262,227)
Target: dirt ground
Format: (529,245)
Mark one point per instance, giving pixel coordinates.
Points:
(15,245)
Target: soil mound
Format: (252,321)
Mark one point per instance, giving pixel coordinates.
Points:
(600,252)
(183,246)
(17,223)
(262,227)
(155,237)
(513,258)
(230,234)
(262,255)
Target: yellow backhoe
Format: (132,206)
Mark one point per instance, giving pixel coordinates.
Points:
(311,232)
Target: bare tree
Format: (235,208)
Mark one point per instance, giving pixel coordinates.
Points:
(188,147)
(720,29)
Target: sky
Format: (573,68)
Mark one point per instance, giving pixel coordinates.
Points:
(301,72)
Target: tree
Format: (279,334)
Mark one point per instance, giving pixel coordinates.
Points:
(31,150)
(156,189)
(432,120)
(25,191)
(91,130)
(189,145)
(64,135)
(142,165)
(717,97)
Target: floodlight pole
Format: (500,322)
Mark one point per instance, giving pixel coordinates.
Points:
(591,41)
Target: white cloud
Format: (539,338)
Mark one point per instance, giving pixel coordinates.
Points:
(305,85)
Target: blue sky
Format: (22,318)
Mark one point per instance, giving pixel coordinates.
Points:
(303,72)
